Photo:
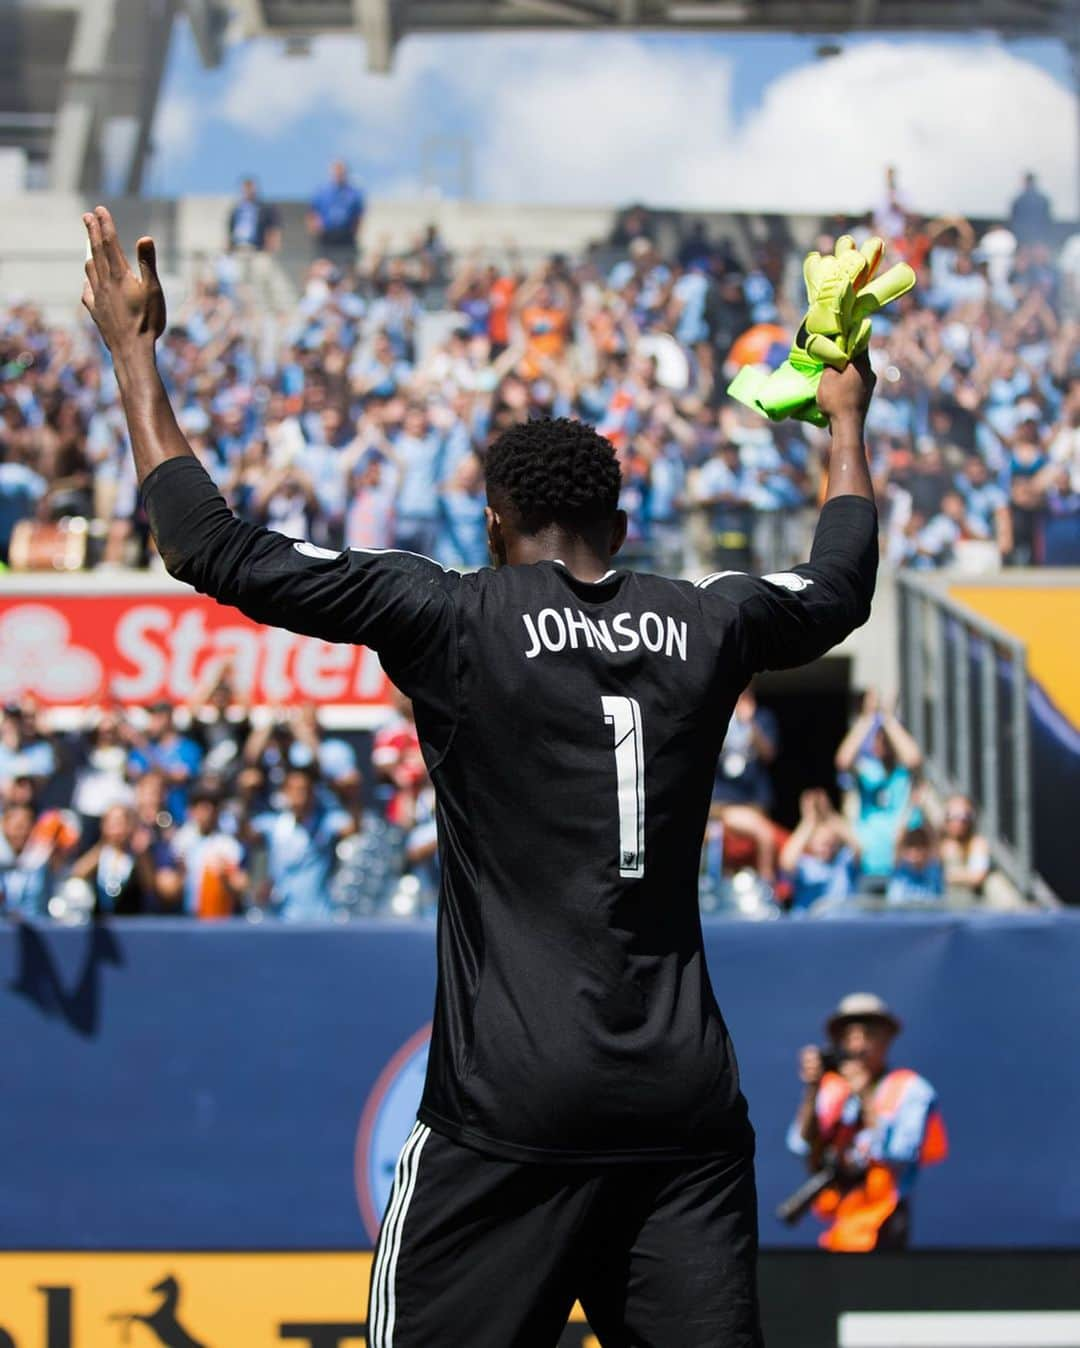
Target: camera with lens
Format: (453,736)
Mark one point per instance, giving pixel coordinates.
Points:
(832,1057)
(799,1203)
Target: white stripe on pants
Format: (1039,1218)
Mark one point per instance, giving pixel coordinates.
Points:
(382,1311)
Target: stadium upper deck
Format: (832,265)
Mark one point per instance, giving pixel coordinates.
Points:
(382,22)
(79,79)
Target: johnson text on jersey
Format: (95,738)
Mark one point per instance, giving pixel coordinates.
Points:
(568,629)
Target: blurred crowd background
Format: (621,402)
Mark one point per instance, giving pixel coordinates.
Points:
(357,411)
(212,811)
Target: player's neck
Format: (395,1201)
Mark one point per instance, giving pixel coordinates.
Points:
(557,545)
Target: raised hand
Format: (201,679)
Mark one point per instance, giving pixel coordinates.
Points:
(846,393)
(811,1066)
(129,309)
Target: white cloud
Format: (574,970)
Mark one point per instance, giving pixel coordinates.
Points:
(176,127)
(270,89)
(957,121)
(598,119)
(655,125)
(582,121)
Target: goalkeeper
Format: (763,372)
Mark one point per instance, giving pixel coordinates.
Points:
(582,1132)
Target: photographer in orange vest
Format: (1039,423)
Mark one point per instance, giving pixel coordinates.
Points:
(865,1129)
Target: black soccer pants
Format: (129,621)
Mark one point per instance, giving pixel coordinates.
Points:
(478,1252)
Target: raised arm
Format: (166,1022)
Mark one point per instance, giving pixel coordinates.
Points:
(394,602)
(789,619)
(844,397)
(904,744)
(853,741)
(797,842)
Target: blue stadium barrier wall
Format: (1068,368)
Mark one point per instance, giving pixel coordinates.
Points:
(168,1086)
(1055,775)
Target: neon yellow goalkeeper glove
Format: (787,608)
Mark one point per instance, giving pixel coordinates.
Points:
(842,294)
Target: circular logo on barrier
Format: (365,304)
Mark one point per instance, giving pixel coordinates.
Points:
(389,1114)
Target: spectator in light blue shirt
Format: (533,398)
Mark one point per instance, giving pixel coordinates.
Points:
(253,223)
(462,540)
(25,873)
(919,876)
(335,215)
(690,296)
(893,411)
(987,504)
(666,499)
(301,848)
(882,758)
(397,312)
(163,749)
(760,294)
(418,452)
(379,372)
(721,479)
(20,491)
(24,752)
(1029,214)
(821,857)
(334,759)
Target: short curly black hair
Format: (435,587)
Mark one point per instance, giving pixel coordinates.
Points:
(555,472)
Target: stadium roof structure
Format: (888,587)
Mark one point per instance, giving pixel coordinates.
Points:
(79,82)
(79,79)
(383,22)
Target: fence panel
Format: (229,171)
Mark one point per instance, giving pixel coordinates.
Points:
(964,696)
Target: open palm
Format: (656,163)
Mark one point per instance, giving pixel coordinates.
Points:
(128,307)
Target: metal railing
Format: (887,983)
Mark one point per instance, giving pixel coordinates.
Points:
(964,696)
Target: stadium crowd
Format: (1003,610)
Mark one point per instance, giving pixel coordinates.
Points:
(211,811)
(875,836)
(358,415)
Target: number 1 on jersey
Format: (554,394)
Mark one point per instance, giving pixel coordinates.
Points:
(623,714)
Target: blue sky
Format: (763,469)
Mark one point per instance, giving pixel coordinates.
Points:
(591,118)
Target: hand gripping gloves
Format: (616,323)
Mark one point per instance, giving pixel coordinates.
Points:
(843,294)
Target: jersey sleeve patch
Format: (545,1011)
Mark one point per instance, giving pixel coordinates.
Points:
(706,581)
(788,580)
(318,554)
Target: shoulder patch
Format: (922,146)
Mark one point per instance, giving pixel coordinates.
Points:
(788,580)
(706,581)
(319,554)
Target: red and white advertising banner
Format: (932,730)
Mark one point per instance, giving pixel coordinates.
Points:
(67,647)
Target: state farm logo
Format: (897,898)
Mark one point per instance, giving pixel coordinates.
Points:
(132,650)
(37,656)
(165,653)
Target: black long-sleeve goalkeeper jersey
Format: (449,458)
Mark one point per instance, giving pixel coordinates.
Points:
(571,729)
